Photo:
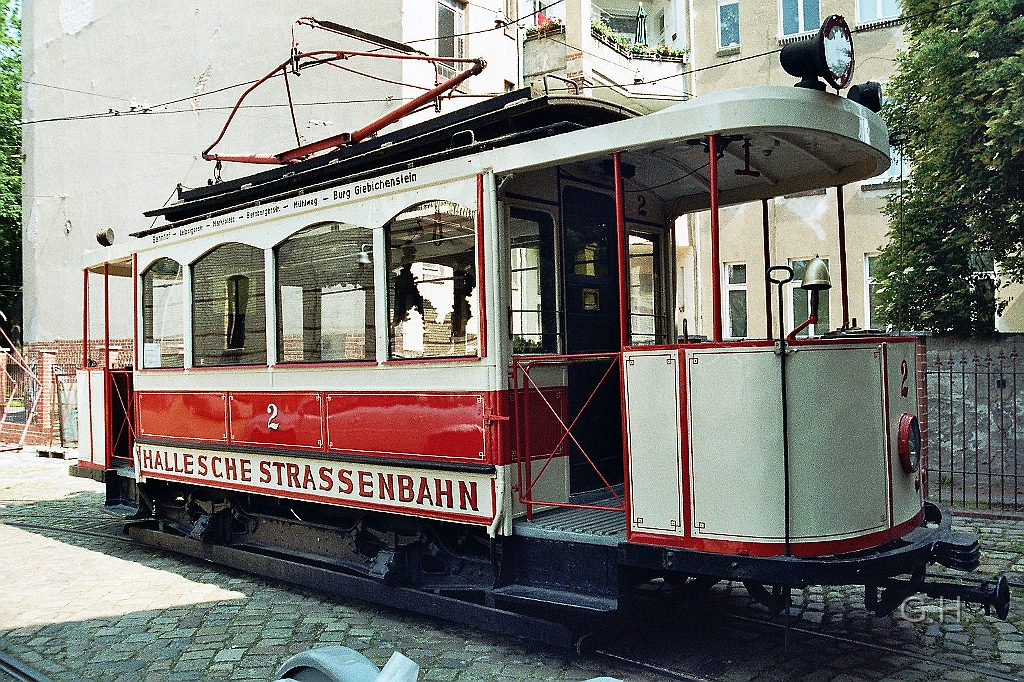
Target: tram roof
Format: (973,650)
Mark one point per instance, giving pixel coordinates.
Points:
(500,121)
(777,140)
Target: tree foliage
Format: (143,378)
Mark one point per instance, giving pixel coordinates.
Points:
(10,164)
(958,102)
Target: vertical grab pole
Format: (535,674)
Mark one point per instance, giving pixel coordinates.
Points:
(787,272)
(108,384)
(620,228)
(767,261)
(842,258)
(106,315)
(716,265)
(624,310)
(85,318)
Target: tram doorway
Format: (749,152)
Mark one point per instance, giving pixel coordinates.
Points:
(590,279)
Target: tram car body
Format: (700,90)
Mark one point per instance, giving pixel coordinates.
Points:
(441,370)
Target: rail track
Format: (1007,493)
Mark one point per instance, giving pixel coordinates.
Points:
(15,669)
(756,629)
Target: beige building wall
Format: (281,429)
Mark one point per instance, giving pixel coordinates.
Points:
(87,169)
(799,227)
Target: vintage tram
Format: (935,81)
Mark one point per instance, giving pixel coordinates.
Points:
(439,369)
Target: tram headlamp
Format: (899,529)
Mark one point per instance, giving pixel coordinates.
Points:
(868,95)
(828,54)
(908,443)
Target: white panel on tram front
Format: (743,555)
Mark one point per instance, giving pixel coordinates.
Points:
(655,465)
(736,463)
(837,446)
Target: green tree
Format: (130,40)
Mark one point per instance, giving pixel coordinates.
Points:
(10,164)
(958,102)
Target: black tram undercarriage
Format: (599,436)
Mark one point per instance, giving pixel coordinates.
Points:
(533,583)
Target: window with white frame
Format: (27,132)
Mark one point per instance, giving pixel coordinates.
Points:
(450,33)
(728,24)
(872,299)
(163,320)
(800,16)
(876,10)
(800,302)
(736,300)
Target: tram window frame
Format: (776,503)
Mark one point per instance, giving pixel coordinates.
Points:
(336,260)
(657,290)
(229,324)
(417,245)
(155,339)
(545,336)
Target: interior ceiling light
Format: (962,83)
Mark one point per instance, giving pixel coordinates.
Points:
(828,54)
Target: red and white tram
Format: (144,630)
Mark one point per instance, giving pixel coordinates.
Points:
(439,369)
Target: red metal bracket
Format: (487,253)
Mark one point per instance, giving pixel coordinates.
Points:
(300,60)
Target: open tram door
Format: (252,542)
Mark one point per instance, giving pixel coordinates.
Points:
(569,308)
(105,412)
(589,268)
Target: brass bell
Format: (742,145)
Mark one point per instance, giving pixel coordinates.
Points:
(815,276)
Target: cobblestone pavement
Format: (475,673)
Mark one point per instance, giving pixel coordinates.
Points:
(88,607)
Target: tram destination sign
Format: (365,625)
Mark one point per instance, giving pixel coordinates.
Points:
(313,200)
(468,497)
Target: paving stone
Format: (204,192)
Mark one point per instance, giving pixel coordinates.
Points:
(102,610)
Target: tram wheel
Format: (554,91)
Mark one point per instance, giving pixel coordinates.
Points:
(771,596)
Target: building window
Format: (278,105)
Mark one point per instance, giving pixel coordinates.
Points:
(876,10)
(728,24)
(450,33)
(228,307)
(534,309)
(433,304)
(325,302)
(736,294)
(800,16)
(872,298)
(800,299)
(163,315)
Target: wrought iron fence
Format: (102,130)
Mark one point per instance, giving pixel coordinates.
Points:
(976,429)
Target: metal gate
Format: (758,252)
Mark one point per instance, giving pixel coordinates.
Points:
(976,429)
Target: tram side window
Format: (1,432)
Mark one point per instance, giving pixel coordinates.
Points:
(228,307)
(433,301)
(163,321)
(325,302)
(534,312)
(647,324)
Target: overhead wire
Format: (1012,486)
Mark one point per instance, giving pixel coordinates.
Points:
(151,109)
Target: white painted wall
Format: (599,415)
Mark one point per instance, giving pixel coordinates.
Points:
(86,57)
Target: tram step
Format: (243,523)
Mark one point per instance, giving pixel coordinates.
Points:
(544,595)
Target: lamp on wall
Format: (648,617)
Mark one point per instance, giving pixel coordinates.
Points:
(105,237)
